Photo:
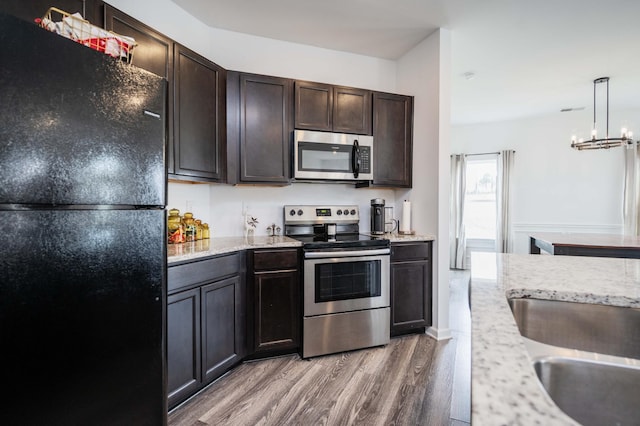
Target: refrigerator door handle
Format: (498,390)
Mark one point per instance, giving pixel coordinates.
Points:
(152,114)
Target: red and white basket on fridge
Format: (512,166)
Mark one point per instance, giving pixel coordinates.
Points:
(75,27)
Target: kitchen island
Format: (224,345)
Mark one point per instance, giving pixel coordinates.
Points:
(577,244)
(505,389)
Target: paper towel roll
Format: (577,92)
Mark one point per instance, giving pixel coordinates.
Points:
(405,223)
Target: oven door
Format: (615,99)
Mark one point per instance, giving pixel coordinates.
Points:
(345,281)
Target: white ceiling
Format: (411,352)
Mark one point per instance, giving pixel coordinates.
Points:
(529,57)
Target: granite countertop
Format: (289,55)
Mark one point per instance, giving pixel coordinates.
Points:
(397,238)
(221,245)
(505,389)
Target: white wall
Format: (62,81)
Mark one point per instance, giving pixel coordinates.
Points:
(556,188)
(425,72)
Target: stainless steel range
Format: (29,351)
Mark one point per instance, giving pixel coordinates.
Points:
(346,279)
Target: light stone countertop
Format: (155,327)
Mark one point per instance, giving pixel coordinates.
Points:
(222,245)
(397,238)
(504,388)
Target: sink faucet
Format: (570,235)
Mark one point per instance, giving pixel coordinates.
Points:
(273,230)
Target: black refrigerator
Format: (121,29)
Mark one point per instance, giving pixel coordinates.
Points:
(83,254)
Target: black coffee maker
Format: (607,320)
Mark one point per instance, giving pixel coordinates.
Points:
(377,216)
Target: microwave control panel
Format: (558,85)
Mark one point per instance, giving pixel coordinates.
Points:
(365,159)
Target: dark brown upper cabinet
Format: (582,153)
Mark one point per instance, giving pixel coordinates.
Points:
(199,119)
(259,128)
(154,53)
(392,140)
(325,107)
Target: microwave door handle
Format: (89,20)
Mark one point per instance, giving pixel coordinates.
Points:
(355,158)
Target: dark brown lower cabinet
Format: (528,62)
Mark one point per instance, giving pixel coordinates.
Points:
(411,287)
(205,325)
(275,297)
(183,345)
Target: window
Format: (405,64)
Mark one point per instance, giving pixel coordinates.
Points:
(480,207)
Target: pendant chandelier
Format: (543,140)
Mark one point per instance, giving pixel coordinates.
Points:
(606,142)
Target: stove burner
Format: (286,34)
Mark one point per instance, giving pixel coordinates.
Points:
(313,225)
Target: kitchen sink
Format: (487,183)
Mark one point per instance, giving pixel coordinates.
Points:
(602,329)
(591,392)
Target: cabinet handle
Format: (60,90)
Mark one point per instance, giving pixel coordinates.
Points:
(152,114)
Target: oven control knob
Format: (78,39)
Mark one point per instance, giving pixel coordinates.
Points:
(353,212)
(292,212)
(300,212)
(339,212)
(346,212)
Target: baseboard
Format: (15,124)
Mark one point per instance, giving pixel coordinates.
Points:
(439,333)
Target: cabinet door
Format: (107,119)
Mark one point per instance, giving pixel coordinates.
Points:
(351,110)
(314,106)
(393,140)
(276,311)
(410,296)
(183,345)
(154,53)
(265,129)
(222,327)
(199,116)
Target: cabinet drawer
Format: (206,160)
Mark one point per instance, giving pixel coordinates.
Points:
(410,251)
(203,271)
(275,259)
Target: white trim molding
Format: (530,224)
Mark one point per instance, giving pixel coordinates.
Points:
(439,333)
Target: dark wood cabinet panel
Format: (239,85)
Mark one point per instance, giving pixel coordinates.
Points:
(411,287)
(351,110)
(409,298)
(223,330)
(153,51)
(393,140)
(183,345)
(198,116)
(264,128)
(275,259)
(313,106)
(274,326)
(276,311)
(325,107)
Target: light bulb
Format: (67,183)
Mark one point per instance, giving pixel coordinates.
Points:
(594,134)
(623,131)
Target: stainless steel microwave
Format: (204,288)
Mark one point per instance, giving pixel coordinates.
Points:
(332,156)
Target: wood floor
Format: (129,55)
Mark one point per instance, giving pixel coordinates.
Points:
(412,380)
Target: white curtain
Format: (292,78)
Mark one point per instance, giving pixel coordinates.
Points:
(504,239)
(631,198)
(457,239)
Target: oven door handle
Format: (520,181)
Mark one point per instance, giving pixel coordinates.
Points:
(357,253)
